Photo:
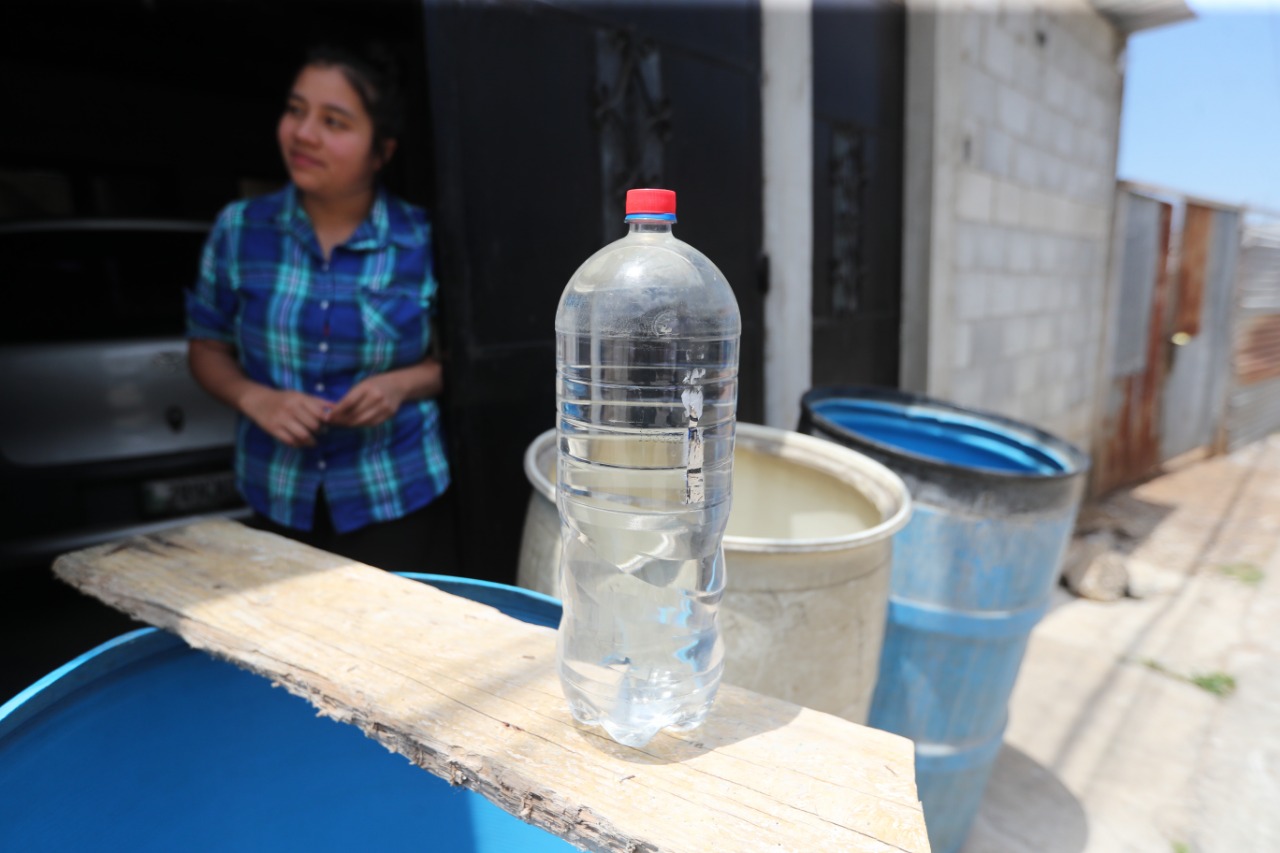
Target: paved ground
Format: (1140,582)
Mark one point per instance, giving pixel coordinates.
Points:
(1112,745)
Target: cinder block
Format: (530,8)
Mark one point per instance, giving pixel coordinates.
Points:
(1092,182)
(1022,249)
(1028,70)
(1050,367)
(1042,127)
(1050,293)
(974,194)
(1084,252)
(1028,297)
(967,386)
(997,52)
(961,345)
(1044,332)
(997,385)
(971,27)
(1015,111)
(992,248)
(1071,361)
(1076,105)
(1055,172)
(989,342)
(1008,203)
(1002,296)
(979,90)
(999,152)
(1055,295)
(1047,253)
(1064,137)
(1074,183)
(1094,221)
(970,296)
(1073,326)
(966,236)
(1026,376)
(1055,89)
(1027,164)
(1036,213)
(1085,148)
(1067,290)
(1017,337)
(1056,403)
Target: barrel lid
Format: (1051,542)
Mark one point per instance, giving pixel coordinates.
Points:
(936,433)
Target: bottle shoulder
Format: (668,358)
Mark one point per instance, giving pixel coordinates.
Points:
(652,263)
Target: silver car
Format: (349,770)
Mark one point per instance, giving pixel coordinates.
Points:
(103,432)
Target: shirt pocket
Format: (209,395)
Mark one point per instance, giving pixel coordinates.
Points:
(391,313)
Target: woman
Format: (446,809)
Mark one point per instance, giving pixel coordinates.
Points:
(311,318)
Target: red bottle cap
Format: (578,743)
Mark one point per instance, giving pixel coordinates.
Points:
(651,201)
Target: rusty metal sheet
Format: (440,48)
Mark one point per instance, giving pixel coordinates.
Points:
(1194,396)
(1192,267)
(1130,443)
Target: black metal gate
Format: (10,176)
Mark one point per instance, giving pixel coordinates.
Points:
(544,114)
(858,84)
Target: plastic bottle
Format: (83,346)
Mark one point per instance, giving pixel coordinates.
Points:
(647,356)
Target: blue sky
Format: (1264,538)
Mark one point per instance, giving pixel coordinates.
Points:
(1202,104)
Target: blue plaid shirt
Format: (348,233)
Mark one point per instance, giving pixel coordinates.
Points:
(301,324)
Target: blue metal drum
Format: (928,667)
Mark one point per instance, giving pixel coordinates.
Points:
(146,744)
(973,571)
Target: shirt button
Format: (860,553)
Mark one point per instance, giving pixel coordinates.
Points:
(321,465)
(324,304)
(324,346)
(319,386)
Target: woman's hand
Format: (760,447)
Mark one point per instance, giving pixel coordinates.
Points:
(370,401)
(374,400)
(291,417)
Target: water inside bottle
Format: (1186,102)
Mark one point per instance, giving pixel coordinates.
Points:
(644,512)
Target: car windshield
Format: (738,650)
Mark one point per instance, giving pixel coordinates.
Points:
(97,282)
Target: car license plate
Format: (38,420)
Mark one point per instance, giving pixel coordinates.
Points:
(184,495)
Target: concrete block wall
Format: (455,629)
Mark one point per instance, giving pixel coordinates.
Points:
(1024,126)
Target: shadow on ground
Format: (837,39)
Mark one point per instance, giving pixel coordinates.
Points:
(1026,807)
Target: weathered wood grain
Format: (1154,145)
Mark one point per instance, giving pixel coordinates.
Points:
(472,696)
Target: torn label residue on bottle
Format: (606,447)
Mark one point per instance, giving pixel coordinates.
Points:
(694,482)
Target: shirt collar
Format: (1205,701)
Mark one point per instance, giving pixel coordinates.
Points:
(387,223)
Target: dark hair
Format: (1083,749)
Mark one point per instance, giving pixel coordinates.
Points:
(372,71)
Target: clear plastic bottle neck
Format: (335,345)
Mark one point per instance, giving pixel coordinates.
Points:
(641,224)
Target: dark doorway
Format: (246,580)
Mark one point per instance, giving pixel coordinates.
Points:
(529,121)
(545,114)
(858,84)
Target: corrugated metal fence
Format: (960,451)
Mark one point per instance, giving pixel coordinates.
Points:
(1128,440)
(1253,405)
(1194,396)
(1176,317)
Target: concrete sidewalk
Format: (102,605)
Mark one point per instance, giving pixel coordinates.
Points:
(1125,730)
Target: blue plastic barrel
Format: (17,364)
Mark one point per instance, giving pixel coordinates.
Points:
(146,744)
(973,571)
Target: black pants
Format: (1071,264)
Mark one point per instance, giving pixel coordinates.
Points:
(422,541)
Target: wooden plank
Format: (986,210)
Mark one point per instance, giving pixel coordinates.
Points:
(472,696)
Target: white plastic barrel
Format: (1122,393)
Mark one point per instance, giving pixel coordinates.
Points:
(808,552)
